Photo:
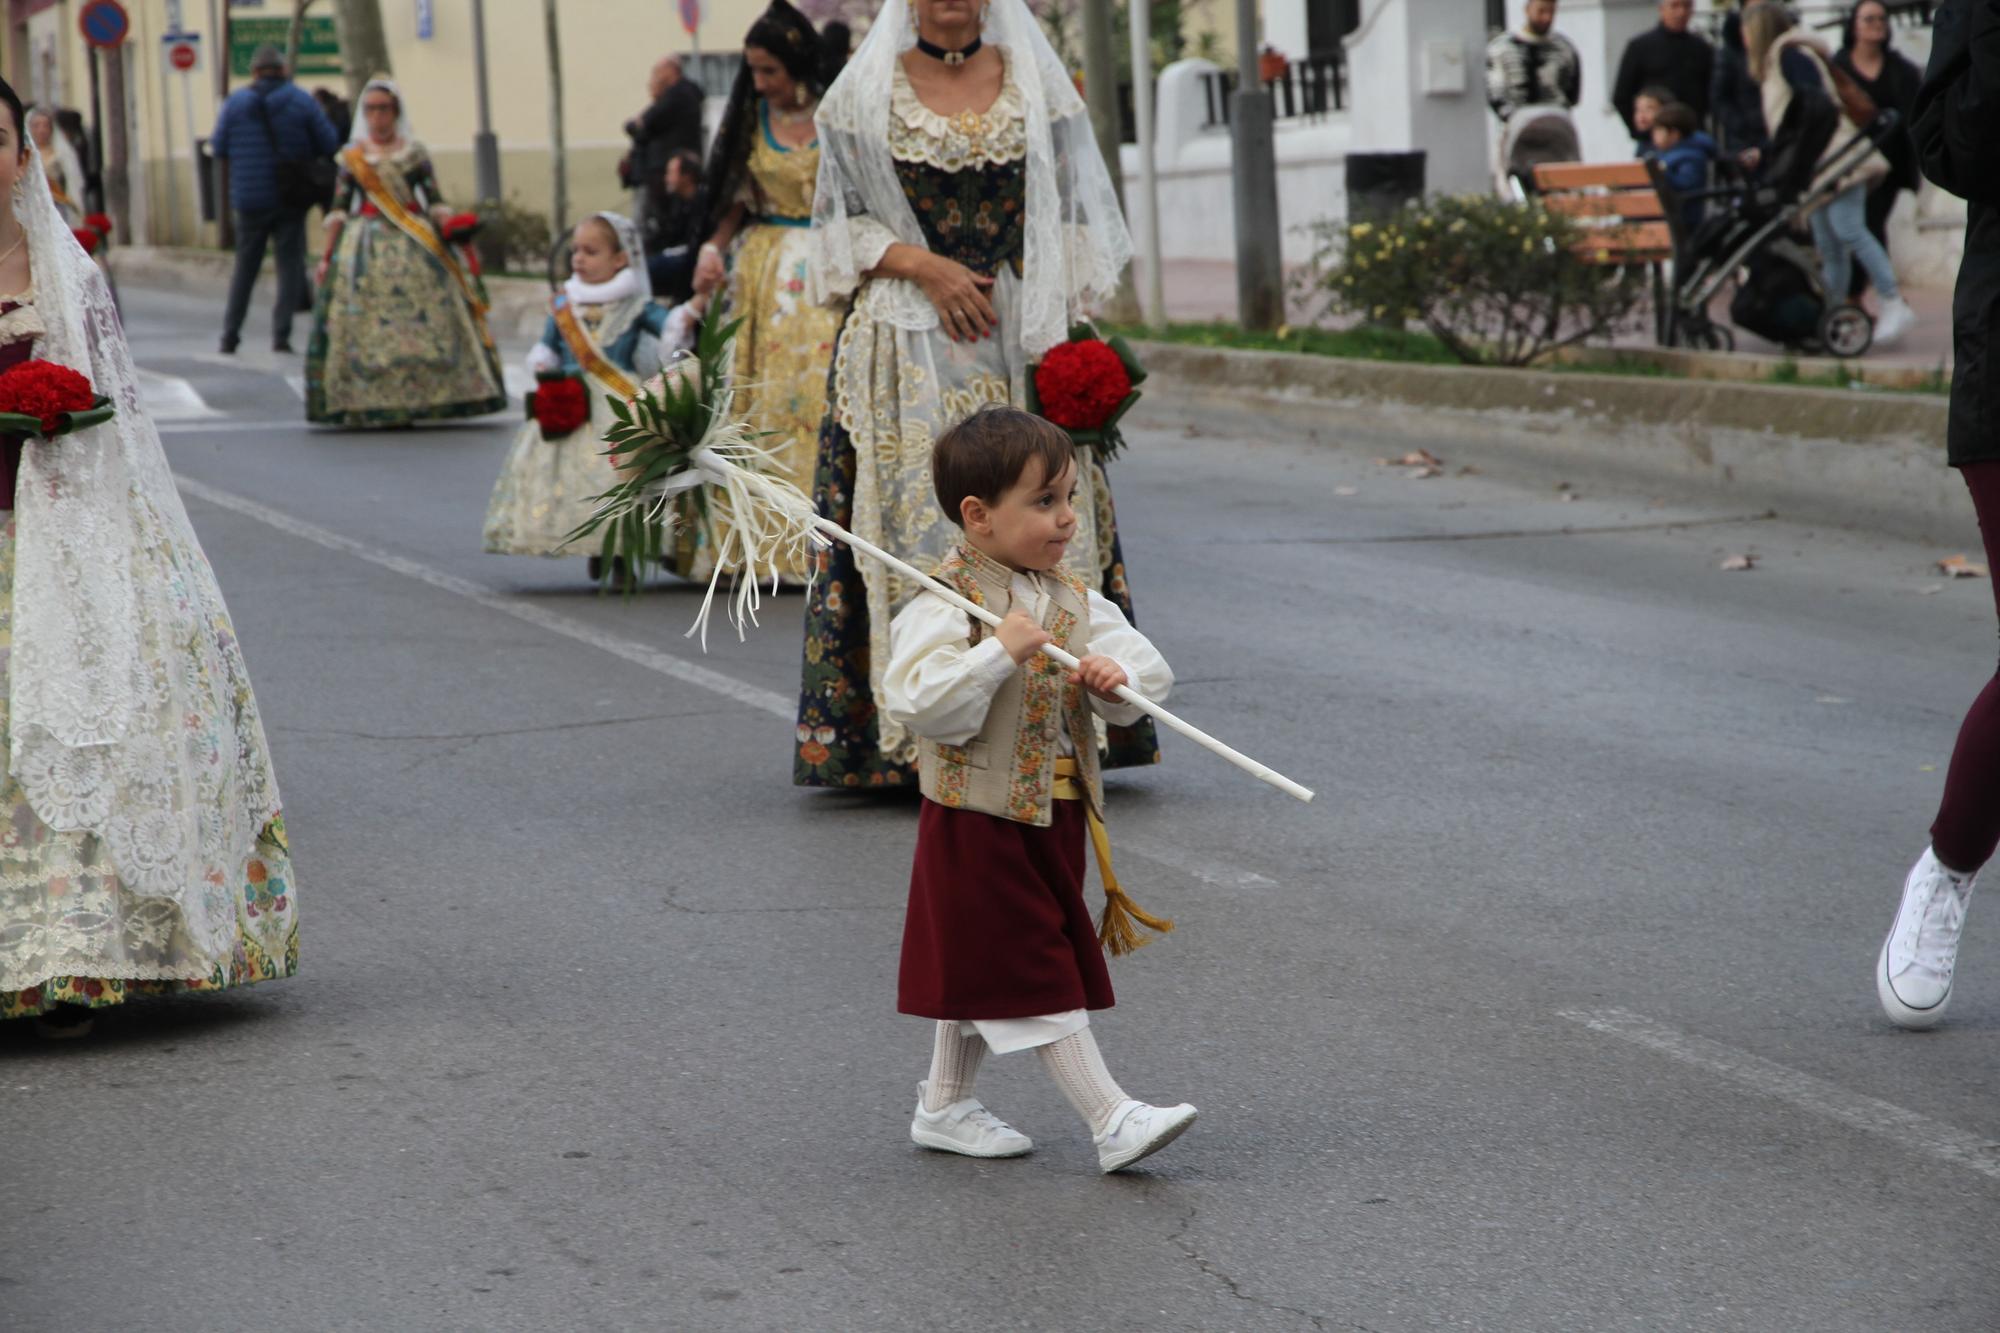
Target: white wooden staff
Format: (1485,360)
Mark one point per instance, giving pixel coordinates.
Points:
(764,515)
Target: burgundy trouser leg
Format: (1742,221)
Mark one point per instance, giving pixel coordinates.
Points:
(1968,819)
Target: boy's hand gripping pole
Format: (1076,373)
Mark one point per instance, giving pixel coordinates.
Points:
(1125,692)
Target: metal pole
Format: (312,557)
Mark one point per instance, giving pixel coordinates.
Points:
(225,217)
(194,149)
(485,149)
(117,162)
(173,227)
(1260,277)
(1153,304)
(559,173)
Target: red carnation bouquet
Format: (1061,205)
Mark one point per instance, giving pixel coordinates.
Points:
(45,399)
(559,404)
(1085,385)
(460,228)
(94,232)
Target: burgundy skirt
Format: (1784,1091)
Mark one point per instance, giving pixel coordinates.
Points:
(997,926)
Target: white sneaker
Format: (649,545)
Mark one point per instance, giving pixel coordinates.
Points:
(1137,1130)
(1913,973)
(1896,320)
(968,1128)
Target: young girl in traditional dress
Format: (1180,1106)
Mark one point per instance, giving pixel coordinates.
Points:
(142,848)
(399,333)
(998,946)
(605,331)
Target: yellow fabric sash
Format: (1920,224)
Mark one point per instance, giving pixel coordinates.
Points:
(1115,929)
(416,228)
(586,351)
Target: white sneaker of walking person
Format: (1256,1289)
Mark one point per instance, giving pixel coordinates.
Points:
(968,1128)
(1896,320)
(1913,973)
(1137,1130)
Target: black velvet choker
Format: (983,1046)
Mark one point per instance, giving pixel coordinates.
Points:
(958,57)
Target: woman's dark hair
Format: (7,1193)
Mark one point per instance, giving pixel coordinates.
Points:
(13,101)
(837,41)
(787,36)
(1888,25)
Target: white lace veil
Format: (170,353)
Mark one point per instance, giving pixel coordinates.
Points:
(1075,239)
(131,715)
(358,133)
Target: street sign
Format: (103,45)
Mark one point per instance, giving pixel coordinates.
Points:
(426,20)
(690,15)
(319,45)
(183,50)
(104,23)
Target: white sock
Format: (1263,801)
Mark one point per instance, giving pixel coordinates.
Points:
(1078,1069)
(954,1065)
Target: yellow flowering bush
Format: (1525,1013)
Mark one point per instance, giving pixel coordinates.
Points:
(1497,282)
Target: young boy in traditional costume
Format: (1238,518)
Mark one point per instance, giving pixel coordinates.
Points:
(998,946)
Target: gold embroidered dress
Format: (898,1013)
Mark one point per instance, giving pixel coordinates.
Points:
(396,334)
(786,341)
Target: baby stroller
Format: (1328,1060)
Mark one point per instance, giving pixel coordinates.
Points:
(1535,135)
(1751,242)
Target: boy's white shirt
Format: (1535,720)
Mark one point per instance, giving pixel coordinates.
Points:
(941,686)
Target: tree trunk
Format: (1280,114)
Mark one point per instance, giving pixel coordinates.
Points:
(1100,87)
(364,48)
(558,170)
(295,35)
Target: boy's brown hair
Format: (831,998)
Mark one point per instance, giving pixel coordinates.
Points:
(987,453)
(1678,117)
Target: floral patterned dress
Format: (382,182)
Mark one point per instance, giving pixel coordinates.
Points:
(786,340)
(892,391)
(396,337)
(70,933)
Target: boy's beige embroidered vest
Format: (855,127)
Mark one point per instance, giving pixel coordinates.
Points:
(1008,768)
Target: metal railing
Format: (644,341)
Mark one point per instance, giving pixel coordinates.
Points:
(1308,89)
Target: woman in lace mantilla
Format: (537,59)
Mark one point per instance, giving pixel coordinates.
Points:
(399,332)
(142,848)
(762,171)
(605,330)
(963,205)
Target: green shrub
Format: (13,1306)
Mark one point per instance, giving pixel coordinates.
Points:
(521,234)
(1497,282)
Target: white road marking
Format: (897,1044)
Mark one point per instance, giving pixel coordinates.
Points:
(171,398)
(666,664)
(778,705)
(1815,1096)
(297,384)
(232,426)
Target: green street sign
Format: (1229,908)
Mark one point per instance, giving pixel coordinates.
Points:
(319,46)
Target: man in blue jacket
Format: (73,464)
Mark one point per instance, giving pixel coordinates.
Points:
(267,133)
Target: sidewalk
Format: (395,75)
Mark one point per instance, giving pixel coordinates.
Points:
(1205,289)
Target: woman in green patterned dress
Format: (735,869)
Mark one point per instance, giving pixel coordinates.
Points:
(399,332)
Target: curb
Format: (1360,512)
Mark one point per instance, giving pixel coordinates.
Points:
(518,305)
(1872,461)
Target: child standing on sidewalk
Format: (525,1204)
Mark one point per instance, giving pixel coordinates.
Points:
(998,946)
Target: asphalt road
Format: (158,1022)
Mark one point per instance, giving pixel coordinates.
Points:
(1553,1012)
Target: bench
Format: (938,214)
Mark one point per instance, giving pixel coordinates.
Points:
(1618,206)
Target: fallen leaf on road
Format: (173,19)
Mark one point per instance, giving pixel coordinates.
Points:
(1468,471)
(1929,590)
(1415,458)
(1958,567)
(1347,490)
(1748,560)
(1425,471)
